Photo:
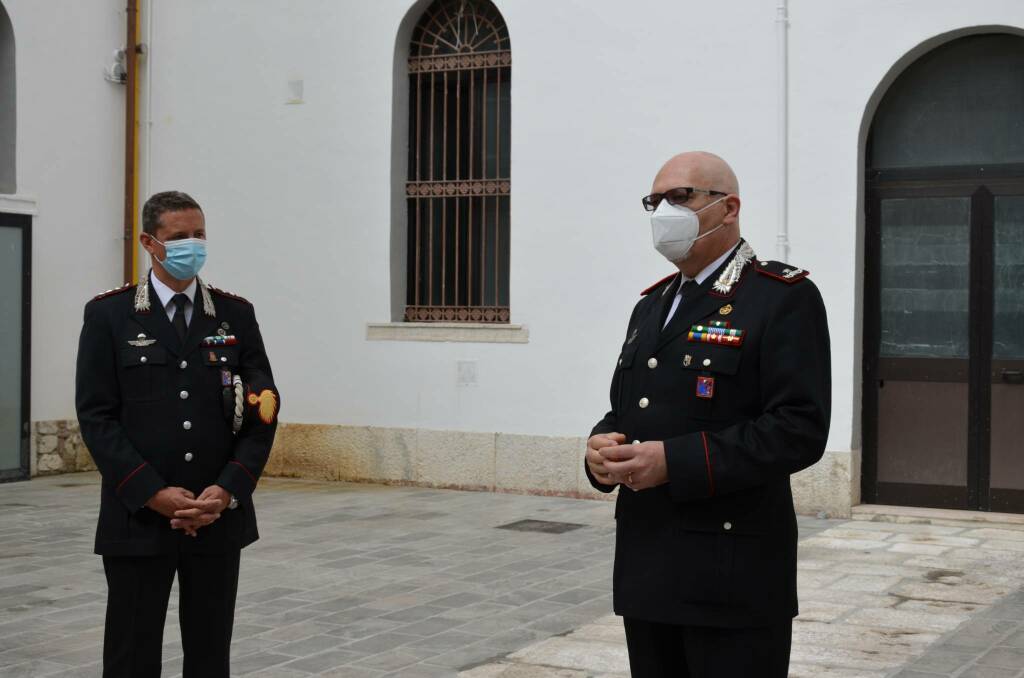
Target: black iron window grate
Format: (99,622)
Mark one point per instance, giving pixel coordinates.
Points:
(459,189)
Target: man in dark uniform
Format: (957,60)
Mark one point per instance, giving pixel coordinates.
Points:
(177,405)
(721,391)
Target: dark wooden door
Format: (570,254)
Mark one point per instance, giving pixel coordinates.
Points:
(944,338)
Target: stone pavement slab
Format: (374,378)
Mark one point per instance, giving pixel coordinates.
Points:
(348,579)
(878,598)
(361,580)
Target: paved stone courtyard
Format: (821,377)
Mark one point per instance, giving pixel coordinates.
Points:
(364,580)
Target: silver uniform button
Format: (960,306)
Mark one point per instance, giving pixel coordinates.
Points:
(143,359)
(184,364)
(644,402)
(652,363)
(223,358)
(187,425)
(727,526)
(188,456)
(707,362)
(183,395)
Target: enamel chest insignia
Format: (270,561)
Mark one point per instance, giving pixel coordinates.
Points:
(706,387)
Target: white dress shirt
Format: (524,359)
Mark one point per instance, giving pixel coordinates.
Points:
(701,277)
(166,295)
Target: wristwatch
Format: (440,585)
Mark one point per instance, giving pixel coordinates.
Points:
(233,504)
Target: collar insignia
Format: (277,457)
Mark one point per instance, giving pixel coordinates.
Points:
(734,270)
(142,303)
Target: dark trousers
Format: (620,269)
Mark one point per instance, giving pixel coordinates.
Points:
(667,651)
(138,590)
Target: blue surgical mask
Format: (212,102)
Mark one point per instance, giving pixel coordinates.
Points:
(183,258)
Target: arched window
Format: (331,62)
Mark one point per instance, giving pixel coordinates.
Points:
(458,184)
(960,104)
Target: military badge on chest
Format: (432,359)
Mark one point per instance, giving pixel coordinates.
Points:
(716,332)
(706,387)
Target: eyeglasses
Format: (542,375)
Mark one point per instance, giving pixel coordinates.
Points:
(675,196)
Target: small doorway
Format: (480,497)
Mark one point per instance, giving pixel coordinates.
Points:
(944,282)
(15,317)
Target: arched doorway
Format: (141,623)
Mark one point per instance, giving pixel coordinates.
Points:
(944,281)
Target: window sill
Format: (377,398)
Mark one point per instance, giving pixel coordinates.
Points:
(14,203)
(482,333)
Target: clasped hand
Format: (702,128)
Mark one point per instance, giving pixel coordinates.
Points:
(188,512)
(638,466)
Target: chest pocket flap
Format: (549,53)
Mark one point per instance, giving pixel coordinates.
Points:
(709,358)
(220,356)
(628,354)
(138,356)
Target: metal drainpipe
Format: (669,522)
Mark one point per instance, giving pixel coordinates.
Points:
(782,40)
(130,137)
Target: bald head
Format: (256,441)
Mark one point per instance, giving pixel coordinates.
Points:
(718,216)
(698,169)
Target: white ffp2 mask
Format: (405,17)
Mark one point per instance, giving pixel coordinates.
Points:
(674,229)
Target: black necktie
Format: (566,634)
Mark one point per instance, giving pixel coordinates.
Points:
(689,290)
(179,315)
(689,293)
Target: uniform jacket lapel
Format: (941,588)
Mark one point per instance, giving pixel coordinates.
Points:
(202,325)
(667,296)
(689,311)
(701,305)
(156,323)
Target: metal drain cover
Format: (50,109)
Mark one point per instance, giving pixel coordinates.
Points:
(546,526)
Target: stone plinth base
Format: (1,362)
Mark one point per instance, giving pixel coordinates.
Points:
(57,447)
(499,462)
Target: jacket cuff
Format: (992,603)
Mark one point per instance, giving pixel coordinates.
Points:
(139,486)
(690,467)
(237,479)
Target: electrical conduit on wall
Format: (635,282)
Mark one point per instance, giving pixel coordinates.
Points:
(782,40)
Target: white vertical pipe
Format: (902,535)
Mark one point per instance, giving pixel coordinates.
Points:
(782,44)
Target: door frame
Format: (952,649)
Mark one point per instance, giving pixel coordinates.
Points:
(981,184)
(23,222)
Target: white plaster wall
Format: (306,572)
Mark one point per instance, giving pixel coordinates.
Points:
(70,147)
(297,196)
